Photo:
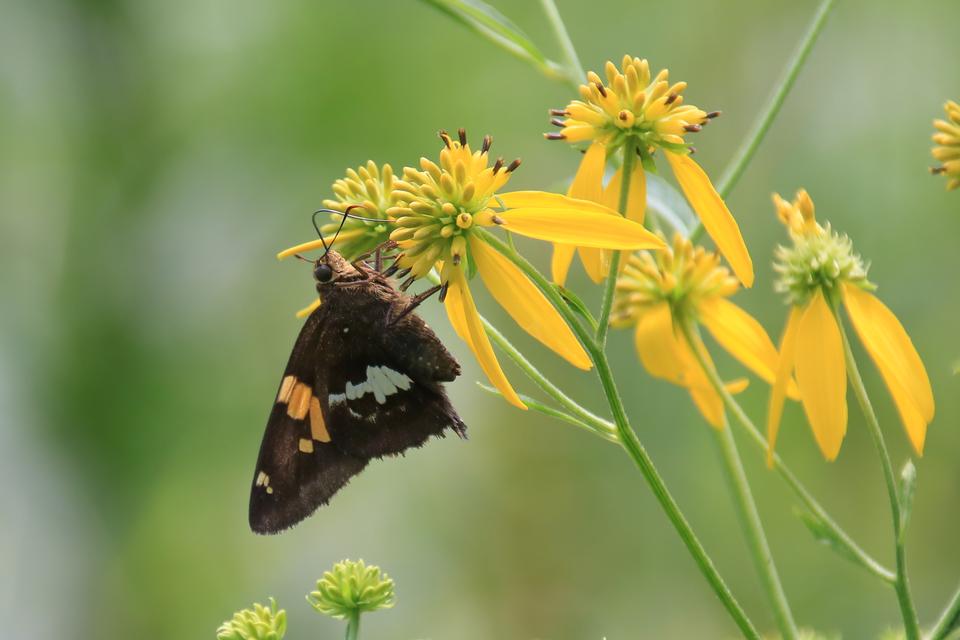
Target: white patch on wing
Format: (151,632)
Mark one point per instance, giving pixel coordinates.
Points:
(382,382)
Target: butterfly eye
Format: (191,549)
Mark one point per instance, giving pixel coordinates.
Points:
(323,273)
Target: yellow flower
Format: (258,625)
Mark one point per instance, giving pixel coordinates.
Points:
(658,295)
(947,151)
(636,111)
(364,191)
(818,273)
(441,211)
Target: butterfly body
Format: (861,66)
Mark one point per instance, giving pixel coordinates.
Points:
(364,380)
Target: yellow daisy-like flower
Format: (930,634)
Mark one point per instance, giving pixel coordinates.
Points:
(658,294)
(365,191)
(818,273)
(947,151)
(636,111)
(440,212)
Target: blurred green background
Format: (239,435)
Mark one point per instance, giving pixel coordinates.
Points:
(155,155)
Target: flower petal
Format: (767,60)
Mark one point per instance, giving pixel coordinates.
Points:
(666,355)
(636,201)
(896,358)
(547,200)
(466,322)
(739,333)
(822,375)
(588,182)
(596,262)
(581,225)
(526,303)
(560,262)
(785,361)
(713,212)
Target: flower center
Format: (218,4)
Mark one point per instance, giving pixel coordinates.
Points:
(818,261)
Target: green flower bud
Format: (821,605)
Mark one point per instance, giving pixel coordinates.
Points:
(351,588)
(259,623)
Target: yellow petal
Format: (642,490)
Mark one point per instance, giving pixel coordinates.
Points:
(341,237)
(896,358)
(596,262)
(466,322)
(310,308)
(637,199)
(713,213)
(666,355)
(588,182)
(560,262)
(739,333)
(526,303)
(822,375)
(785,362)
(547,200)
(579,225)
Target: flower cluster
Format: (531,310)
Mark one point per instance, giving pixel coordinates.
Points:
(947,139)
(641,114)
(819,272)
(259,623)
(351,588)
(663,296)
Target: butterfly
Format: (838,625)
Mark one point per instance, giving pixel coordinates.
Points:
(365,380)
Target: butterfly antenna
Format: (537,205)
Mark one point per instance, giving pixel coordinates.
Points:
(322,241)
(343,219)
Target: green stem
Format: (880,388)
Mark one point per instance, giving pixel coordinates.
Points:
(574,68)
(908,612)
(949,619)
(630,442)
(840,536)
(353,625)
(594,422)
(750,144)
(610,286)
(746,506)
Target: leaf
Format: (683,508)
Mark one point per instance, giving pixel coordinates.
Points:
(908,486)
(577,305)
(493,25)
(823,534)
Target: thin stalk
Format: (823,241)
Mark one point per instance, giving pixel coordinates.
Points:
(574,68)
(353,625)
(596,423)
(949,619)
(746,506)
(610,286)
(907,610)
(752,142)
(630,442)
(841,536)
(547,410)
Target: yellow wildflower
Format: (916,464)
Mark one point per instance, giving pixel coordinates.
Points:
(947,151)
(659,294)
(441,211)
(636,111)
(818,273)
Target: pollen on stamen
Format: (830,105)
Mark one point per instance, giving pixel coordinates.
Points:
(554,136)
(513,166)
(559,112)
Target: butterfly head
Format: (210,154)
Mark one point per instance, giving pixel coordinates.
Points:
(332,268)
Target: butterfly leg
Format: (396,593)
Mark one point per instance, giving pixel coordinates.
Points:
(415,302)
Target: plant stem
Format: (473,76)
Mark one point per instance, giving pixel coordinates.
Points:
(353,625)
(907,610)
(574,68)
(949,619)
(746,506)
(750,144)
(841,536)
(596,423)
(629,440)
(610,286)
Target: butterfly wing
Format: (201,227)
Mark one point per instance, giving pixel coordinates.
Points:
(298,469)
(381,384)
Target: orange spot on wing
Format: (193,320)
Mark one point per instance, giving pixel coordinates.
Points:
(318,428)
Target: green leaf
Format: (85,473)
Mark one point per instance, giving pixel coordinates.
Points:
(577,305)
(823,534)
(486,21)
(669,205)
(908,486)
